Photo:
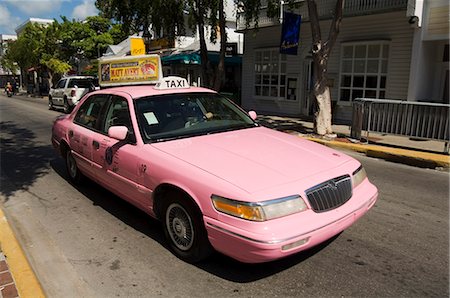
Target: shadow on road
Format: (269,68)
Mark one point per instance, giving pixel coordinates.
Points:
(235,271)
(119,208)
(218,264)
(22,159)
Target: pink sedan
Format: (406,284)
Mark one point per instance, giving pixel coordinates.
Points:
(214,177)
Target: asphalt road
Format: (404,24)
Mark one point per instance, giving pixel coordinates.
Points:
(84,241)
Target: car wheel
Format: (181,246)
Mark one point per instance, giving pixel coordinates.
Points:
(185,230)
(50,103)
(67,108)
(72,168)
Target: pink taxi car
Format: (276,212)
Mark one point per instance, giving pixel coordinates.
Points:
(214,177)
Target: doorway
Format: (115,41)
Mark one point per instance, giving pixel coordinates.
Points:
(308,84)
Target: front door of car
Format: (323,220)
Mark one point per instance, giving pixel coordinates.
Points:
(116,162)
(84,130)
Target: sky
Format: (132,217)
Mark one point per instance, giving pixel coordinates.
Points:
(15,12)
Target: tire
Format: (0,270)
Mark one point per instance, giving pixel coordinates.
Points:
(50,103)
(74,173)
(184,229)
(66,106)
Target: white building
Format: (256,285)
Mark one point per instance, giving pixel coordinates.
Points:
(5,39)
(22,26)
(393,49)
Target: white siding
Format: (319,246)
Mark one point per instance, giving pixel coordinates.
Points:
(437,26)
(393,27)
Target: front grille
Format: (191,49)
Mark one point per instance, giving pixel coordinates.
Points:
(330,194)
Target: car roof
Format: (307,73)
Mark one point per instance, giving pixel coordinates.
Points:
(138,91)
(78,77)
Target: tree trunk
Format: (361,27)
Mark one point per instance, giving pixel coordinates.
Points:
(203,49)
(50,79)
(220,73)
(321,51)
(322,116)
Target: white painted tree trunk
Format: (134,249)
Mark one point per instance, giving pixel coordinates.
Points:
(322,117)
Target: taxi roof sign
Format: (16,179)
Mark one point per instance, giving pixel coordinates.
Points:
(129,70)
(172,82)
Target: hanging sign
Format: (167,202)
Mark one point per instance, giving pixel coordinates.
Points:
(290,33)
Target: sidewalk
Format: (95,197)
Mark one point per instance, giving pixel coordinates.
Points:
(7,284)
(17,279)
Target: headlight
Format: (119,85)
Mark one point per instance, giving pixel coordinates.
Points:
(260,211)
(358,176)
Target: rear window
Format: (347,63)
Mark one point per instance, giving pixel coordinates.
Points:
(81,83)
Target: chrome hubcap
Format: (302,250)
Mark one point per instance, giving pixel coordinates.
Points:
(180,228)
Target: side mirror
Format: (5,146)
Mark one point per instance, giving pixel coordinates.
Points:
(253,115)
(118,132)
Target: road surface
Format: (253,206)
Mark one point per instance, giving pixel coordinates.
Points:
(85,241)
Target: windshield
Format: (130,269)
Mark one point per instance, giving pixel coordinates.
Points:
(82,83)
(174,116)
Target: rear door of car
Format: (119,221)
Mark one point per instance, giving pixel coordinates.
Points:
(85,130)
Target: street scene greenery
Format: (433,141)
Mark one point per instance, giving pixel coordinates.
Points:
(60,46)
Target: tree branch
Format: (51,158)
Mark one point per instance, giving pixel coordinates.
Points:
(335,26)
(314,20)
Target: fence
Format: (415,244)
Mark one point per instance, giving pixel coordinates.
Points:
(405,118)
(325,9)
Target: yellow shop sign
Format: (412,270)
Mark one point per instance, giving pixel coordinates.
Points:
(137,46)
(131,70)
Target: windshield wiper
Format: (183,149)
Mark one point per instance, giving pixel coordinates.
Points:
(237,127)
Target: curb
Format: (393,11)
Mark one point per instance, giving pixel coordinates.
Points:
(410,157)
(26,282)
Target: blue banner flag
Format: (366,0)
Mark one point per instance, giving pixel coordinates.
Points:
(290,33)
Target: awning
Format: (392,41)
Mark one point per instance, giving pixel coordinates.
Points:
(182,58)
(194,59)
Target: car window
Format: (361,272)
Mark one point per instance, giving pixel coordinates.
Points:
(173,116)
(81,83)
(90,111)
(61,84)
(118,114)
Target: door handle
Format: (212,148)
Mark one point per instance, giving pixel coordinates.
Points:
(96,144)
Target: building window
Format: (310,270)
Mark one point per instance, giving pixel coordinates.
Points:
(363,70)
(270,74)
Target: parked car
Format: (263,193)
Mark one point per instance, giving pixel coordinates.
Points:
(69,90)
(213,176)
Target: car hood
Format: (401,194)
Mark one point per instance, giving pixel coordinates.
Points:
(256,158)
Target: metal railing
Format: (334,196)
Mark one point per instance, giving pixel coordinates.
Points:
(358,7)
(325,9)
(412,119)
